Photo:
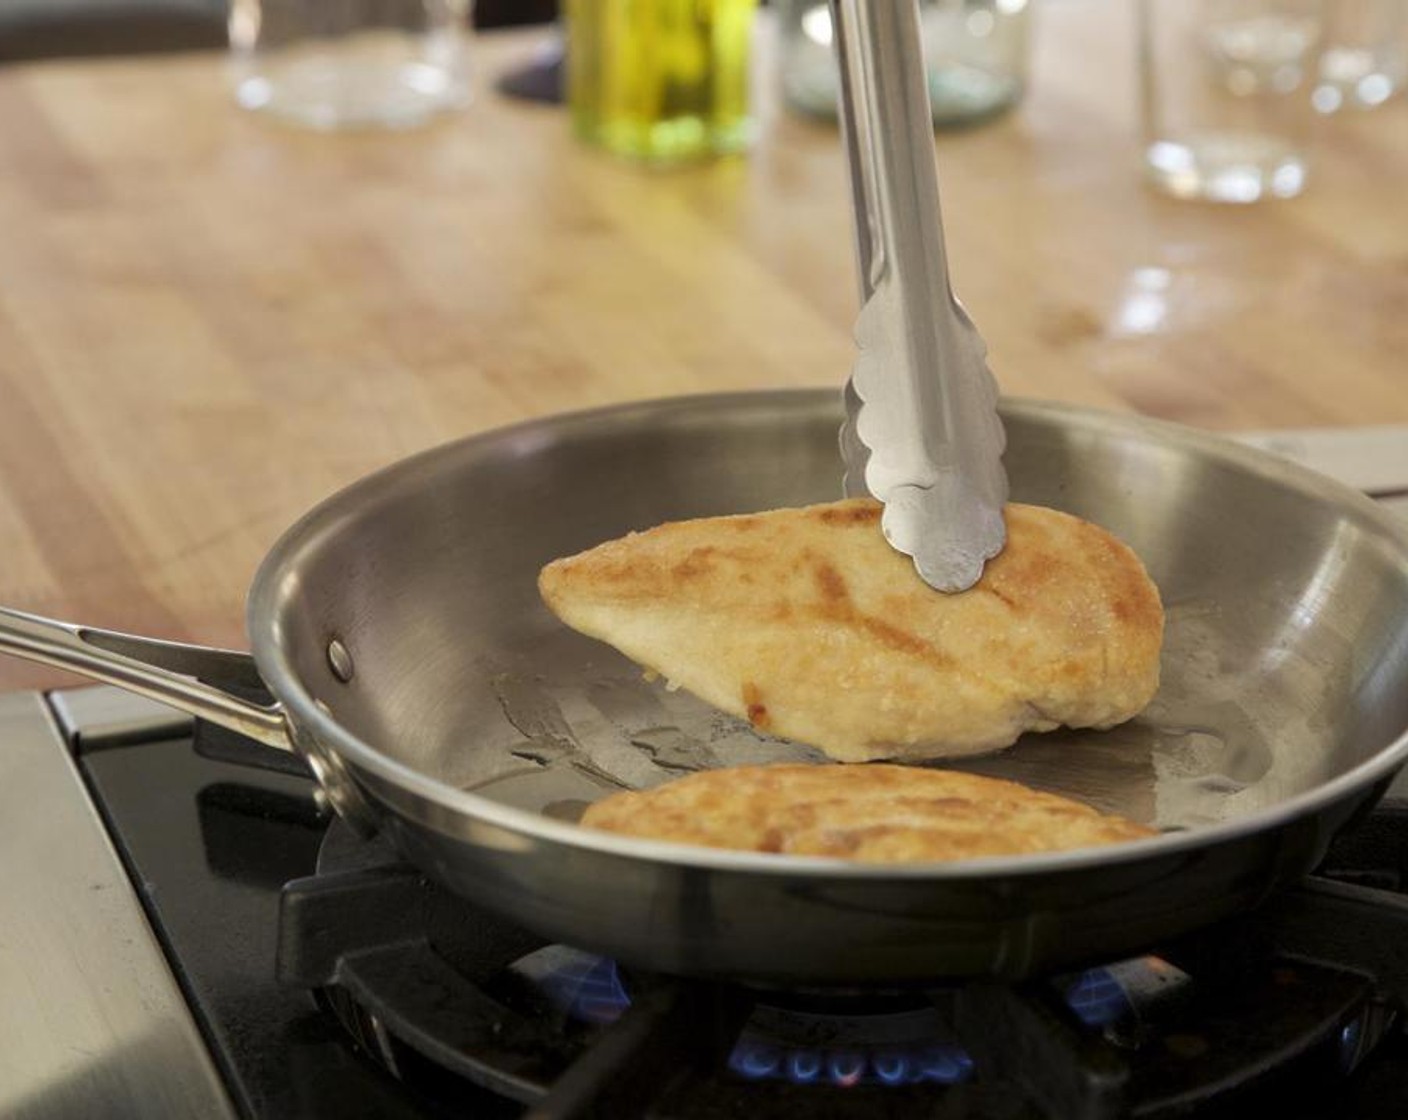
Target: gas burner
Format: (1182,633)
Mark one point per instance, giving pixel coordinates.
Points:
(424,981)
(1290,1012)
(809,1039)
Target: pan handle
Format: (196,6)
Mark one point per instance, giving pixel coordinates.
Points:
(183,676)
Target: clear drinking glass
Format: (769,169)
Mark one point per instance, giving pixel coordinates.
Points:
(331,64)
(975,55)
(1365,61)
(1226,88)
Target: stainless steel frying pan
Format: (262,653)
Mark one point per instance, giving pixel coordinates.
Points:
(398,625)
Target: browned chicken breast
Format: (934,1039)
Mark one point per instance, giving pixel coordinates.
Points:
(880,813)
(806,622)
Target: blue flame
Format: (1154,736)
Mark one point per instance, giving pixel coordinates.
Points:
(588,989)
(938,1063)
(891,1069)
(756,1060)
(1097,998)
(948,1065)
(846,1068)
(804,1066)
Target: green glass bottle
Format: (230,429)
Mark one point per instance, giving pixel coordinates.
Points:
(663,81)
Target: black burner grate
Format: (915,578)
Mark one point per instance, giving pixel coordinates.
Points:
(1297,993)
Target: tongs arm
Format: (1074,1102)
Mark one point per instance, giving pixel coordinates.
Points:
(922,432)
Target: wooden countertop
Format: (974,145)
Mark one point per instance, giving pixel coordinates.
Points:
(208,322)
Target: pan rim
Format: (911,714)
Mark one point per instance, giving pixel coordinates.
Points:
(453,804)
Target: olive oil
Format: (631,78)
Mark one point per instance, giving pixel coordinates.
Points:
(664,81)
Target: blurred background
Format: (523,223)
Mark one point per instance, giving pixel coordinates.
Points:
(33,29)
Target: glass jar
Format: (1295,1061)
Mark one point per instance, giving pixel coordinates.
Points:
(353,64)
(975,52)
(1225,86)
(662,81)
(1365,61)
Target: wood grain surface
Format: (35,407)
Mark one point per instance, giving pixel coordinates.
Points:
(208,321)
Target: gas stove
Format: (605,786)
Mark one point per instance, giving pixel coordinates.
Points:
(213,944)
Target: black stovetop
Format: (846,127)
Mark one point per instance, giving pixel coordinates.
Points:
(210,845)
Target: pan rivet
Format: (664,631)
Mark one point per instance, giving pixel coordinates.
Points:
(340,661)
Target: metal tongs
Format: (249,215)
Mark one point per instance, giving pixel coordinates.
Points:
(922,432)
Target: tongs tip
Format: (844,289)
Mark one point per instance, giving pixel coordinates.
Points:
(948,531)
